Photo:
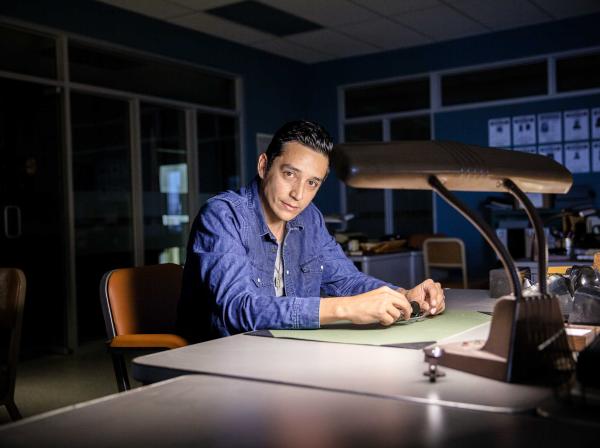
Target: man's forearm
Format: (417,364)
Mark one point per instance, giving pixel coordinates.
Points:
(332,309)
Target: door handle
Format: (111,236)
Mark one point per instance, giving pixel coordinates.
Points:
(12,215)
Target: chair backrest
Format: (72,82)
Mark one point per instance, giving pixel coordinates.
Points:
(141,300)
(446,253)
(12,301)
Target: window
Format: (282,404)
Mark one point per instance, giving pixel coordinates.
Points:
(377,212)
(218,156)
(495,84)
(28,53)
(387,98)
(128,72)
(578,72)
(367,205)
(364,132)
(165,184)
(411,128)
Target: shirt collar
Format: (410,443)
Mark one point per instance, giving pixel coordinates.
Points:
(255,205)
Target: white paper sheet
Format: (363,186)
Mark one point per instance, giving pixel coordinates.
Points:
(555,151)
(577,157)
(576,125)
(596,123)
(596,157)
(499,132)
(549,127)
(523,128)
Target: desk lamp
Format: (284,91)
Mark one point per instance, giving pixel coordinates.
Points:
(527,342)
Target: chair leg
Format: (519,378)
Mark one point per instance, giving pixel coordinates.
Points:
(120,372)
(13,411)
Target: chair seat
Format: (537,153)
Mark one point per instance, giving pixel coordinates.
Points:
(148,341)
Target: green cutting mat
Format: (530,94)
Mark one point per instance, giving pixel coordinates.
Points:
(430,329)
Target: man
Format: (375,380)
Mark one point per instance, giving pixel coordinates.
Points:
(260,257)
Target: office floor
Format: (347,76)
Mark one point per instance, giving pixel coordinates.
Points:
(53,381)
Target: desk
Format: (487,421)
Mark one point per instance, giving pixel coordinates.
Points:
(200,411)
(369,370)
(403,269)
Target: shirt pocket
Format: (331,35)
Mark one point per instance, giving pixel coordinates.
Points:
(311,273)
(261,279)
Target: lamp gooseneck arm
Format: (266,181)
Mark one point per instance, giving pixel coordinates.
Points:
(485,230)
(538,226)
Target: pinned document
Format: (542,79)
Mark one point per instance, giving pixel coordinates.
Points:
(577,157)
(596,123)
(499,132)
(576,125)
(553,151)
(523,128)
(549,127)
(596,157)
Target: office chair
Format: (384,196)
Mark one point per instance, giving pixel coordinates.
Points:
(445,253)
(140,308)
(12,300)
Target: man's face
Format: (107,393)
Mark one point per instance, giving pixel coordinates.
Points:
(292,182)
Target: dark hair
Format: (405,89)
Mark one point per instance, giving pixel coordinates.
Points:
(307,133)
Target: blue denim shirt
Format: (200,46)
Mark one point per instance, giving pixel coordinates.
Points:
(228,276)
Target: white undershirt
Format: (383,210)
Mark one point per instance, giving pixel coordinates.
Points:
(278,272)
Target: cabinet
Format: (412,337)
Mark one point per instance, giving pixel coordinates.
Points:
(403,269)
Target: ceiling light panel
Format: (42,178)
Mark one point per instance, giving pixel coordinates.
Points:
(327,13)
(224,29)
(160,9)
(264,18)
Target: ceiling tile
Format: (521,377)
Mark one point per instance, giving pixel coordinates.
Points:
(501,15)
(224,29)
(331,42)
(391,7)
(291,50)
(160,9)
(327,13)
(385,34)
(203,5)
(568,8)
(440,23)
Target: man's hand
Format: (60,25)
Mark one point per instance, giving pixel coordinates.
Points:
(429,295)
(383,305)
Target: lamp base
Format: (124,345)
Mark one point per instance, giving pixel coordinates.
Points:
(540,353)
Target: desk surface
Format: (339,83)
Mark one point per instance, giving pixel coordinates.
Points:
(376,371)
(210,411)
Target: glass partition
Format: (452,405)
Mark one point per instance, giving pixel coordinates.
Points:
(102,199)
(367,205)
(218,155)
(130,72)
(165,184)
(27,52)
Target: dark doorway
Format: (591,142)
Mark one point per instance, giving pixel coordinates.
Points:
(32,213)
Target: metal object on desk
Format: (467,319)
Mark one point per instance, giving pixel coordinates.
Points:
(432,355)
(527,341)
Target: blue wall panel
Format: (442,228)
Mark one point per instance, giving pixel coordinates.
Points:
(471,126)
